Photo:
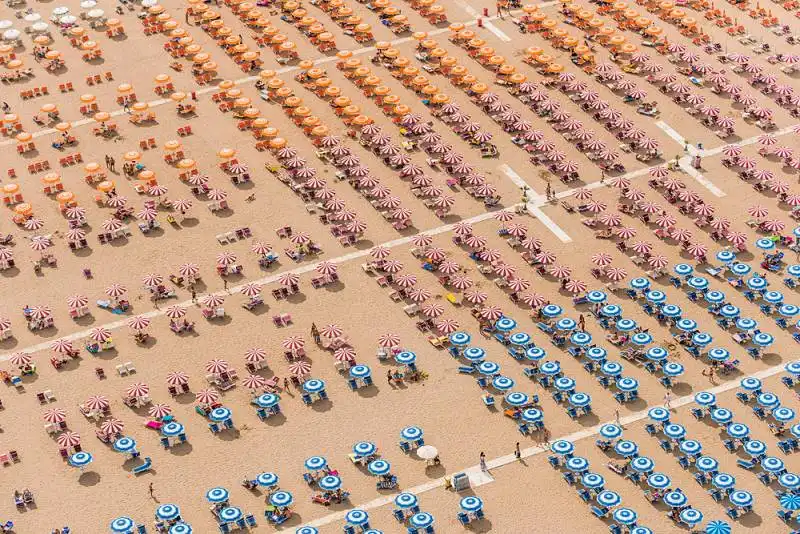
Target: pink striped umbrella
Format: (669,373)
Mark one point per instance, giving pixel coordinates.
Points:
(112,427)
(419,294)
(534,300)
(207,396)
(732,151)
(326,268)
(62,346)
(421,240)
(217,366)
(658,261)
(255,355)
(545,257)
(449,267)
(778,186)
(213,300)
(767,140)
(75,212)
(55,415)
(137,390)
(490,254)
(181,204)
(601,259)
(444,201)
(41,313)
(177,378)
(288,279)
(575,286)
(75,234)
(152,280)
(116,290)
(334,204)
(331,331)
(793,200)
(773,225)
(462,228)
(680,234)
(560,271)
(159,411)
(659,172)
(40,243)
(389,340)
(461,282)
(100,334)
(532,243)
(649,207)
(432,310)
(505,270)
(34,223)
(720,224)
(21,359)
(666,220)
(401,214)
(226,259)
(261,248)
(736,238)
(763,174)
(475,241)
(77,301)
(251,290)
(747,163)
(503,216)
(642,247)
(625,232)
(189,270)
(198,180)
(582,194)
(300,238)
(704,210)
(356,227)
(217,194)
(616,274)
(671,183)
(406,280)
(392,266)
(447,326)
(112,225)
(610,219)
(68,439)
(5,324)
(757,211)
(175,312)
(254,382)
(300,368)
(147,214)
(293,343)
(157,190)
(475,297)
(634,194)
(595,206)
(518,284)
(687,195)
(619,182)
(380,252)
(697,250)
(491,313)
(517,230)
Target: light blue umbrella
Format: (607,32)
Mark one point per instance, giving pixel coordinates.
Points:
(746,323)
(580,339)
(738,430)
(578,464)
(580,400)
(562,447)
(608,499)
(172,429)
(768,400)
(762,339)
(740,269)
(565,383)
(793,270)
(180,528)
(782,414)
(691,517)
(611,368)
(474,354)
(790,501)
(610,431)
(714,297)
(516,398)
(793,368)
(550,368)
(281,499)
(705,398)
(471,504)
(551,311)
(755,447)
(658,481)
(532,415)
(675,499)
(231,514)
(610,310)
(566,324)
(502,383)
(329,483)
(364,448)
(721,416)
(773,465)
(741,498)
(674,431)
(726,256)
(765,244)
(505,324)
(596,354)
(658,414)
(80,459)
(756,283)
(459,339)
(789,481)
(657,354)
(267,400)
(687,325)
(672,369)
(683,269)
(421,520)
(125,445)
(406,500)
(673,311)
(217,495)
(535,354)
(360,371)
(406,357)
(788,310)
(639,284)
(750,383)
(122,525)
(729,311)
(373,531)
(626,448)
(795,430)
(707,464)
(724,481)
(698,282)
(306,530)
(656,297)
(593,480)
(641,339)
(596,297)
(718,354)
(168,512)
(219,415)
(702,339)
(692,447)
(627,384)
(773,297)
(488,368)
(411,433)
(625,516)
(643,464)
(520,338)
(313,386)
(267,480)
(625,325)
(315,463)
(718,527)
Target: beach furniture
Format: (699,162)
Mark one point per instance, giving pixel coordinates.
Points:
(143,467)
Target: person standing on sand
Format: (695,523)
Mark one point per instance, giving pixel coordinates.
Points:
(483,461)
(517,453)
(667,400)
(194,296)
(150,489)
(315,333)
(225,285)
(581,323)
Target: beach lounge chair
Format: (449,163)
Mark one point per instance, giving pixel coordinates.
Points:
(148,462)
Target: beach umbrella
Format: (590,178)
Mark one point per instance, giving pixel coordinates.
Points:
(344,354)
(253,382)
(300,238)
(675,499)
(177,378)
(691,447)
(447,326)
(789,481)
(100,334)
(300,368)
(137,390)
(68,439)
(189,270)
(21,359)
(475,297)
(112,427)
(625,516)
(288,279)
(122,525)
(405,280)
(116,290)
(560,271)
(97,403)
(250,289)
(552,311)
(691,517)
(608,499)
(281,499)
(419,294)
(611,368)
(175,312)
(545,257)
(55,415)
(207,396)
(380,252)
(80,459)
(168,512)
(329,483)
(790,501)
(593,481)
(478,242)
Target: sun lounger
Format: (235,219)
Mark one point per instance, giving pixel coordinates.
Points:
(144,467)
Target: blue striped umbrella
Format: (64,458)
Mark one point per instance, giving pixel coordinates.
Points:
(641,339)
(714,297)
(459,339)
(755,447)
(360,371)
(707,464)
(532,415)
(364,448)
(656,297)
(330,483)
(488,368)
(535,354)
(231,514)
(729,311)
(762,339)
(692,447)
(565,383)
(687,325)
(80,459)
(167,512)
(723,481)
(658,414)
(658,481)
(726,256)
(657,354)
(705,398)
(306,530)
(768,400)
(790,501)
(580,400)
(267,400)
(674,431)
(611,368)
(593,481)
(773,297)
(750,383)
(793,270)
(566,324)
(180,528)
(683,269)
(471,504)
(793,368)
(627,384)
(411,433)
(718,527)
(641,530)
(505,324)
(625,516)
(672,311)
(552,311)
(580,339)
(639,284)
(740,269)
(122,525)
(643,464)
(698,282)
(625,325)
(746,323)
(672,369)
(373,531)
(217,495)
(550,368)
(474,354)
(608,498)
(315,463)
(610,310)
(219,415)
(789,481)
(795,430)
(313,386)
(596,297)
(406,500)
(520,338)
(626,448)
(718,354)
(788,310)
(516,398)
(675,499)
(610,431)
(172,429)
(756,283)
(421,520)
(281,499)
(125,445)
(783,414)
(765,244)
(562,447)
(741,498)
(406,357)
(738,430)
(502,383)
(596,354)
(579,464)
(771,464)
(691,517)
(267,480)
(721,416)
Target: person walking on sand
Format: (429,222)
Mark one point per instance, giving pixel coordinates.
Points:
(225,285)
(150,489)
(548,192)
(667,400)
(194,296)
(616,417)
(483,462)
(581,323)
(112,164)
(315,333)
(517,453)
